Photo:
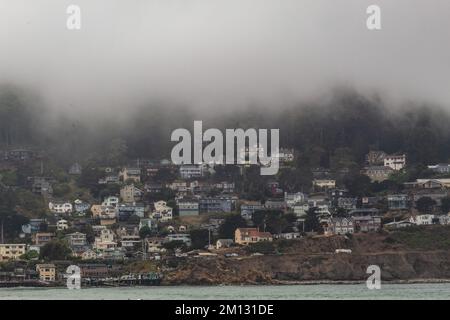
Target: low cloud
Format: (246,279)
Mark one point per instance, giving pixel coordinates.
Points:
(215,55)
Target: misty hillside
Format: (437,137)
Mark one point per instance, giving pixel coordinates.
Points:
(349,124)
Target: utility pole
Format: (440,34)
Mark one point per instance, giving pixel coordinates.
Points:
(209,237)
(2,232)
(144,250)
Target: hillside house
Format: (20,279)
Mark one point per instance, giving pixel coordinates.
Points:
(130,174)
(75,169)
(62,225)
(378,173)
(9,251)
(339,226)
(442,168)
(188,207)
(191,171)
(224,243)
(76,239)
(249,207)
(245,236)
(47,272)
(398,202)
(324,183)
(61,207)
(130,193)
(395,162)
(162,211)
(111,201)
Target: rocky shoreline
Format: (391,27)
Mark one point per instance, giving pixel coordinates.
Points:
(279,283)
(314,261)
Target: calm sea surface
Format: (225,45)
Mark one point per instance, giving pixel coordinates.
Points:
(316,292)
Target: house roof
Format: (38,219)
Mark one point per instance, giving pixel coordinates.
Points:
(254,232)
(225,240)
(46,265)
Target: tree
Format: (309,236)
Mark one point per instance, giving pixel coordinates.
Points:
(445,205)
(7,210)
(89,179)
(30,255)
(358,184)
(265,247)
(275,222)
(134,219)
(312,222)
(111,189)
(258,218)
(340,212)
(199,238)
(165,175)
(89,232)
(55,250)
(60,190)
(425,204)
(145,232)
(231,223)
(175,244)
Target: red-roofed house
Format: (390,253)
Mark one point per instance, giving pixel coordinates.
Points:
(250,235)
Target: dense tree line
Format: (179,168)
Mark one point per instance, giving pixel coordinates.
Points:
(334,134)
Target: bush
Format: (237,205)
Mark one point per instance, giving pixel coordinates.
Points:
(265,247)
(61,190)
(424,237)
(55,250)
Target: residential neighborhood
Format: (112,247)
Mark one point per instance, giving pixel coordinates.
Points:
(154,211)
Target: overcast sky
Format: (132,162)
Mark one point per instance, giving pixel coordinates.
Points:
(223,54)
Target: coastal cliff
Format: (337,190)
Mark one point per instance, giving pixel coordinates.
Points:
(315,260)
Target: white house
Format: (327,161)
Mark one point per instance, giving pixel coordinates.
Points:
(324,183)
(162,211)
(339,226)
(440,167)
(395,162)
(224,243)
(293,198)
(288,235)
(423,219)
(286,155)
(60,207)
(62,225)
(111,201)
(444,219)
(184,237)
(301,209)
(191,171)
(89,255)
(105,241)
(427,219)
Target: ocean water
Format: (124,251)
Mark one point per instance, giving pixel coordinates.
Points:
(436,291)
